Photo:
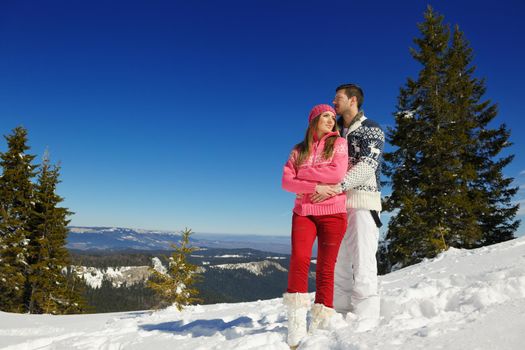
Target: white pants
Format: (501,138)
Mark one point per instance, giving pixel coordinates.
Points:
(355,288)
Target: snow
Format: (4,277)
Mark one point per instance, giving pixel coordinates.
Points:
(158,266)
(118,276)
(82,230)
(130,238)
(460,300)
(255,267)
(408,114)
(76,229)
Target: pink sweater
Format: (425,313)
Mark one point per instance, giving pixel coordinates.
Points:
(316,170)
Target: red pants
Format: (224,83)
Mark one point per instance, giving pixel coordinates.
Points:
(329,230)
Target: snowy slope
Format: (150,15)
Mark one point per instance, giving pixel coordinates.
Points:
(459,300)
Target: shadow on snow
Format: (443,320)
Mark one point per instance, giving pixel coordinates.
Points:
(206,328)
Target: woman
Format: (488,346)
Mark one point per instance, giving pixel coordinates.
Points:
(320,159)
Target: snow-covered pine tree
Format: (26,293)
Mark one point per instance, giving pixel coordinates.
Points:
(439,172)
(175,286)
(49,289)
(16,203)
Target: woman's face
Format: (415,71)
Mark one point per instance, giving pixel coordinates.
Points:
(326,123)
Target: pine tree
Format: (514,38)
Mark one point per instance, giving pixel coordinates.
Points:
(175,286)
(16,203)
(491,190)
(413,235)
(48,289)
(442,193)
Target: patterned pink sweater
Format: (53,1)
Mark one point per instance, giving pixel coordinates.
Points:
(316,170)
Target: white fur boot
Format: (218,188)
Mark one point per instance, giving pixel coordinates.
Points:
(297,305)
(325,318)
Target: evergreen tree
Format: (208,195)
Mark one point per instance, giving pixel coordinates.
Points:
(16,197)
(48,289)
(491,190)
(420,106)
(443,173)
(175,286)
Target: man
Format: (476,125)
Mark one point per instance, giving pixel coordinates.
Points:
(355,288)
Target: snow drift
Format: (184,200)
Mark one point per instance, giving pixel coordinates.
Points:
(463,299)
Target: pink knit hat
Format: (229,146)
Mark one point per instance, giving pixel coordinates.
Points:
(319,109)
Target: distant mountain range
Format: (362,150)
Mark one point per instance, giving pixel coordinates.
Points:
(114,279)
(118,238)
(114,263)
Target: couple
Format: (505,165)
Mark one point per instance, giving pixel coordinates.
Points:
(335,173)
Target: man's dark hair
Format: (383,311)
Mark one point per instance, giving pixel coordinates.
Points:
(353,90)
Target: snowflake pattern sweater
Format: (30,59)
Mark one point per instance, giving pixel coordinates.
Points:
(314,170)
(365,148)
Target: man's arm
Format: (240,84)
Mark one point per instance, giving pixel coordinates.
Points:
(364,169)
(366,166)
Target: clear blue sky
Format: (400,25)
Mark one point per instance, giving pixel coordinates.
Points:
(167,114)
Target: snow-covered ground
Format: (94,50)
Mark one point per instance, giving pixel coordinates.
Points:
(255,267)
(119,276)
(459,300)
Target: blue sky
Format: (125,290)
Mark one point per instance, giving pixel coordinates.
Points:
(173,114)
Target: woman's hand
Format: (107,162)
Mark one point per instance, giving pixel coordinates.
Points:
(324,191)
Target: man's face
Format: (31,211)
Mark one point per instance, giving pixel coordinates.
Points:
(342,103)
